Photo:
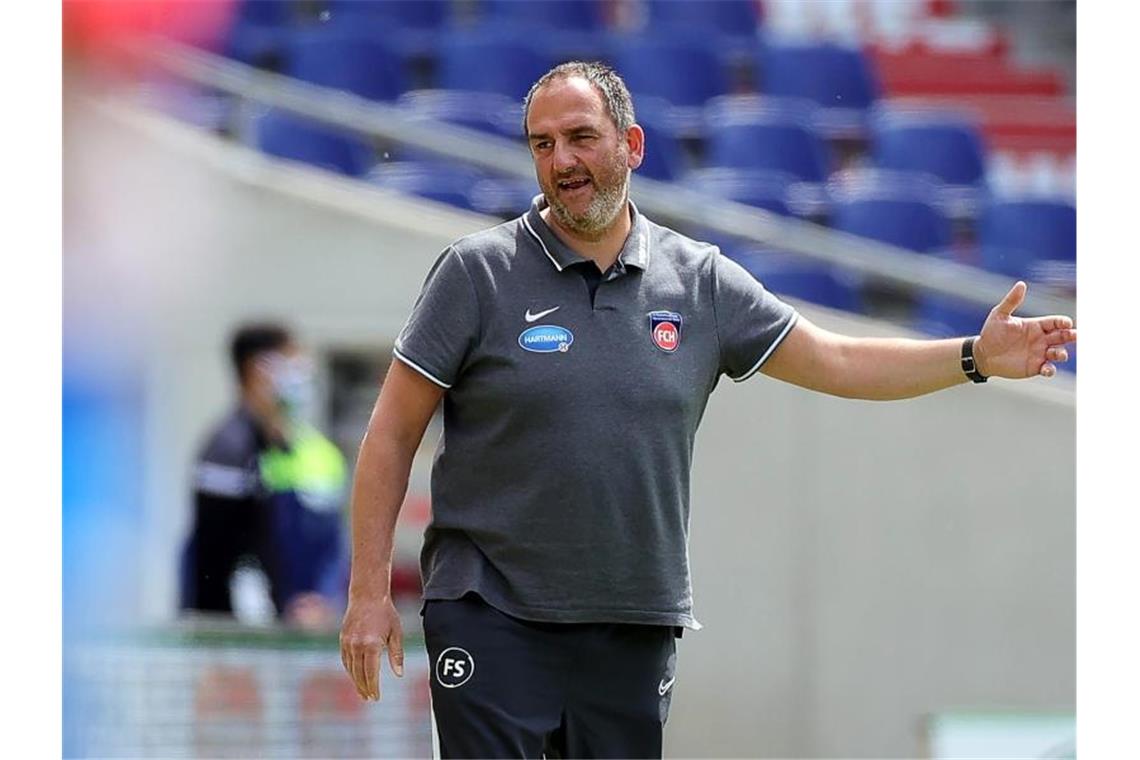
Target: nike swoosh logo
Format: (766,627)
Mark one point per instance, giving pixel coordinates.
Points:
(665,686)
(532,317)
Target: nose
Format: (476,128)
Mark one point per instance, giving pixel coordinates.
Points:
(564,158)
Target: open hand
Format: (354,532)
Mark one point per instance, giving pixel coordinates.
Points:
(1017,347)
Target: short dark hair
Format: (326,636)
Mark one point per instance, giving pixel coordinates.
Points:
(253,339)
(608,83)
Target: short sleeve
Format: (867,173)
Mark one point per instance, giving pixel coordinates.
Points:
(444,323)
(751,322)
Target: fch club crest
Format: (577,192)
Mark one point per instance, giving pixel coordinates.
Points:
(665,329)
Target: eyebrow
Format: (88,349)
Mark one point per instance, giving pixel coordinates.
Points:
(570,131)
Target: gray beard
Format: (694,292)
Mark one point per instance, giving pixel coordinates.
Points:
(599,215)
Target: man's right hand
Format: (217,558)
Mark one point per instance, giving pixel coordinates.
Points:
(369,627)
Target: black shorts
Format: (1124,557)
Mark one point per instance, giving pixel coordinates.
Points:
(505,687)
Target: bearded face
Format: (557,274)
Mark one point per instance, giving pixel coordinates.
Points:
(582,160)
(586,200)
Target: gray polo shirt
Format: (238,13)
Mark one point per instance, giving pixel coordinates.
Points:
(560,488)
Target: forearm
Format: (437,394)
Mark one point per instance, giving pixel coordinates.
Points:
(875,369)
(885,369)
(379,487)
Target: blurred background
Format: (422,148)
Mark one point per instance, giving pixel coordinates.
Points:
(875,580)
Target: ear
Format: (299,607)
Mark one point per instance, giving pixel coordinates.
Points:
(635,141)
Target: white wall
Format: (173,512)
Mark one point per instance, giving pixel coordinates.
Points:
(857,564)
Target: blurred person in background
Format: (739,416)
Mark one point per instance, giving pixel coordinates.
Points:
(269,488)
(574,350)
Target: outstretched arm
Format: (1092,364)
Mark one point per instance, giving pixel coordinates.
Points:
(882,369)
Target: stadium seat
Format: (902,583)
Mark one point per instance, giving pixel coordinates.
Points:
(572,15)
(265,12)
(287,136)
(891,207)
(794,276)
(1031,238)
(485,111)
(499,61)
(941,144)
(664,158)
(447,183)
(394,14)
(354,61)
(946,317)
(754,187)
(734,18)
(258,30)
(684,69)
(762,136)
(504,198)
(838,78)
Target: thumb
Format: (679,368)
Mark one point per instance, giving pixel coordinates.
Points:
(396,653)
(1013,299)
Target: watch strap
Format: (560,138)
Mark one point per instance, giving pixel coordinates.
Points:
(969,364)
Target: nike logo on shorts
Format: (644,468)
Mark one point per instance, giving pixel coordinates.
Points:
(532,317)
(664,686)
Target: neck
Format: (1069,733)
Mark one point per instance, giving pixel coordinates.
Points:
(602,249)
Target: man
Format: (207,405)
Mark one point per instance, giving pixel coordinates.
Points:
(574,350)
(267,488)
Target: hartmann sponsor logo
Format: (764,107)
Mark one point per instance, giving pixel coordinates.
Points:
(546,339)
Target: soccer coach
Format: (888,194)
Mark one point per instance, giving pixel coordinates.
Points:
(574,350)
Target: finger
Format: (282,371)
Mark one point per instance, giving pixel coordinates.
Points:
(1013,299)
(396,653)
(1057,354)
(358,655)
(372,672)
(1059,337)
(1055,322)
(1047,370)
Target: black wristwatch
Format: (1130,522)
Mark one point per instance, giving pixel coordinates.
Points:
(969,366)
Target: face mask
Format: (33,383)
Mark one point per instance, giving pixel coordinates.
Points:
(293,384)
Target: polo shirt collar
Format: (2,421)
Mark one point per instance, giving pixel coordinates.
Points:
(635,251)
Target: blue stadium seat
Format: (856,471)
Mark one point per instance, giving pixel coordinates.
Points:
(491,61)
(946,317)
(829,74)
(258,29)
(734,18)
(838,78)
(485,111)
(684,69)
(504,198)
(573,15)
(794,276)
(763,137)
(894,208)
(393,14)
(1031,238)
(943,145)
(754,187)
(447,183)
(664,158)
(359,62)
(287,136)
(266,12)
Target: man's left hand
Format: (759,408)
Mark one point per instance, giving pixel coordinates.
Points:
(1017,347)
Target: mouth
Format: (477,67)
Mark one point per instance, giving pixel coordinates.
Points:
(573,184)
